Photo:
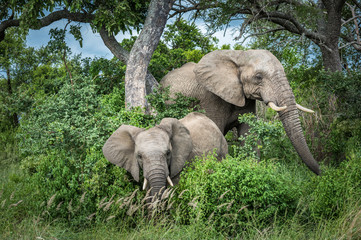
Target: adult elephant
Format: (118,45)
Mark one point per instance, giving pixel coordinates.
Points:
(228,83)
(162,151)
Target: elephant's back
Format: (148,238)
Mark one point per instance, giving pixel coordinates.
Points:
(182,80)
(205,135)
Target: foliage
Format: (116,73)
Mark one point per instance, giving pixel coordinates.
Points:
(187,36)
(70,121)
(232,193)
(66,164)
(108,14)
(267,137)
(55,182)
(332,193)
(346,88)
(180,105)
(334,129)
(106,74)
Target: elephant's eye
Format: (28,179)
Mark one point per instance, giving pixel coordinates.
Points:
(168,152)
(139,156)
(258,77)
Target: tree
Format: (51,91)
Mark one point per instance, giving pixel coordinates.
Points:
(10,48)
(327,23)
(25,74)
(142,51)
(108,18)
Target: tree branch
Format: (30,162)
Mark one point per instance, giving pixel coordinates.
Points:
(290,24)
(261,33)
(349,20)
(47,20)
(355,44)
(123,55)
(114,46)
(357,3)
(357,32)
(194,7)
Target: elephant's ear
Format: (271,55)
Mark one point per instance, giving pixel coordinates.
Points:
(181,143)
(219,72)
(119,149)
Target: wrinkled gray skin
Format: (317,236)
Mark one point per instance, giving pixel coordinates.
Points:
(163,150)
(228,83)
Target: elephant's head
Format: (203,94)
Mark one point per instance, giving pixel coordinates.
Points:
(160,151)
(236,75)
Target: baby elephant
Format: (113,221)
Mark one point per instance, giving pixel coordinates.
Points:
(163,150)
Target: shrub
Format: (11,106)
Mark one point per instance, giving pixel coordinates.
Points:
(180,107)
(337,188)
(268,137)
(233,193)
(68,120)
(61,142)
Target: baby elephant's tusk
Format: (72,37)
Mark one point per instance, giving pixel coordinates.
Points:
(304,109)
(275,107)
(170,181)
(145,183)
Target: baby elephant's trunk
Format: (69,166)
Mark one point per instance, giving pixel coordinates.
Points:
(158,182)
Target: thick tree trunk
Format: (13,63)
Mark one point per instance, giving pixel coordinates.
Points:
(142,51)
(123,55)
(331,59)
(331,29)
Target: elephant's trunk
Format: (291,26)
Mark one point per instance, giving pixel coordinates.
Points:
(291,122)
(157,181)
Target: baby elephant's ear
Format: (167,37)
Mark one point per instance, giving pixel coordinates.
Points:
(119,149)
(181,142)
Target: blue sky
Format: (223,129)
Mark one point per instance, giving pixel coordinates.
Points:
(93,45)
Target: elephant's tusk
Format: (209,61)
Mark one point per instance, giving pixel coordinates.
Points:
(170,181)
(304,109)
(145,183)
(275,107)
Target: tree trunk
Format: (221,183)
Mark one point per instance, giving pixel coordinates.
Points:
(142,51)
(331,59)
(123,55)
(331,29)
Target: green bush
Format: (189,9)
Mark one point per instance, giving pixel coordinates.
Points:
(268,137)
(346,87)
(69,120)
(233,194)
(61,141)
(180,105)
(337,188)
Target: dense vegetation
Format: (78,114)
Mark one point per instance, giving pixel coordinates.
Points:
(56,183)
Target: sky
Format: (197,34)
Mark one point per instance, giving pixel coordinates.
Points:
(93,45)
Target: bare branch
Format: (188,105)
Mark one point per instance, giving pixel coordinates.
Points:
(349,20)
(262,33)
(355,44)
(357,3)
(355,22)
(114,46)
(289,23)
(194,7)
